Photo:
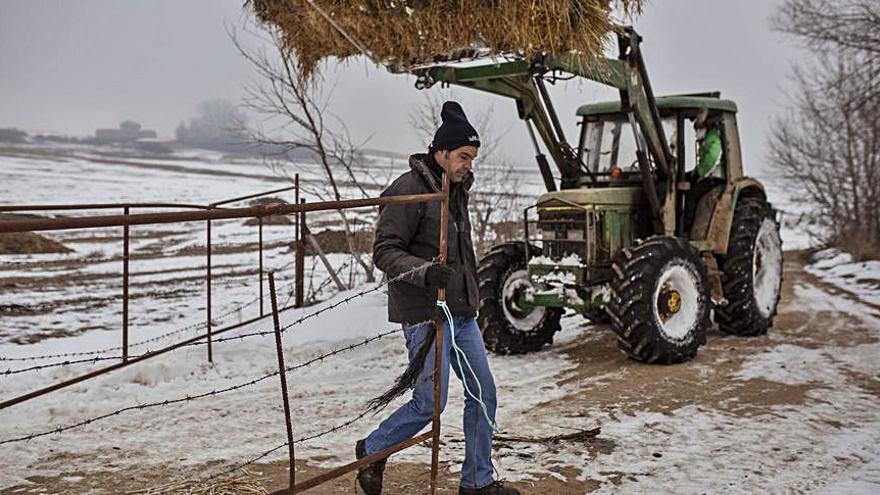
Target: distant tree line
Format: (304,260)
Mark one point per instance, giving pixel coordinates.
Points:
(17,136)
(218,124)
(828,143)
(222,125)
(12,135)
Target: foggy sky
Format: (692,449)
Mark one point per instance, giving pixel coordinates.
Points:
(71,67)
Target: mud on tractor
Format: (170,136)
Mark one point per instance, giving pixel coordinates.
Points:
(636,233)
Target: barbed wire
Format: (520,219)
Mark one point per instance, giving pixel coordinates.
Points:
(192,326)
(39,367)
(105,350)
(95,359)
(201,325)
(298,441)
(362,293)
(313,436)
(234,310)
(94,301)
(322,310)
(148,405)
(187,398)
(243,465)
(366,412)
(340,426)
(240,337)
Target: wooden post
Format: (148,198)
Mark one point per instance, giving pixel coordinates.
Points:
(260,220)
(125,276)
(300,275)
(208,281)
(438,340)
(283,375)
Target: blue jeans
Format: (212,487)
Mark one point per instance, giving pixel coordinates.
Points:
(410,418)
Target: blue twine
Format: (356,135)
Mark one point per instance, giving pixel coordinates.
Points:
(459,353)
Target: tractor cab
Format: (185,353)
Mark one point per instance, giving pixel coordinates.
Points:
(607,144)
(597,221)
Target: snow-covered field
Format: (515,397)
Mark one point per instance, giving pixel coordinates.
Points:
(794,412)
(61,295)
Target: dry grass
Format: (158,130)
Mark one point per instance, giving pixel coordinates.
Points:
(859,244)
(401,34)
(239,485)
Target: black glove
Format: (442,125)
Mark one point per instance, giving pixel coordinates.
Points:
(437,276)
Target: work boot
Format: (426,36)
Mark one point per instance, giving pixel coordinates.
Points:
(495,488)
(370,476)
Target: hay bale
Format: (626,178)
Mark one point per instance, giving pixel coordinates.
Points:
(401,34)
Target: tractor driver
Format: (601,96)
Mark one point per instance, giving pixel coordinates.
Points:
(709,147)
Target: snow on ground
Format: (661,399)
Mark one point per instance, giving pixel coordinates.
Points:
(861,278)
(787,448)
(238,424)
(794,447)
(78,292)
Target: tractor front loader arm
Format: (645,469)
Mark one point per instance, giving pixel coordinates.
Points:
(523,81)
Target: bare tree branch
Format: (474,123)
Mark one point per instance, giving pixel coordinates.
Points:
(302,131)
(826,144)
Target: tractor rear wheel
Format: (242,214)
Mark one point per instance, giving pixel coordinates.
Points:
(659,305)
(507,327)
(752,269)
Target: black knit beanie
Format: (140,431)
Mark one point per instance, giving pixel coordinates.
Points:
(455,131)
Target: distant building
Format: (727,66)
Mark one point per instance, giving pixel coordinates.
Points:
(128,131)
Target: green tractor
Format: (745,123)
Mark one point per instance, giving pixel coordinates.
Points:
(635,233)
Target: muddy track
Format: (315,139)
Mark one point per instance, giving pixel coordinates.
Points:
(605,377)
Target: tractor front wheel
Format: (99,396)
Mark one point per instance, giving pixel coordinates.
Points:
(509,327)
(659,305)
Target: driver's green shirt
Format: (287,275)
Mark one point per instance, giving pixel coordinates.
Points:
(709,152)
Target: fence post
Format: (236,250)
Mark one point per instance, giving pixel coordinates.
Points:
(260,220)
(283,374)
(208,280)
(125,275)
(300,258)
(438,341)
(296,202)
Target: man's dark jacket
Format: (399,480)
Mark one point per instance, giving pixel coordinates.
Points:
(408,236)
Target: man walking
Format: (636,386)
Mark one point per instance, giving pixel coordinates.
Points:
(407,237)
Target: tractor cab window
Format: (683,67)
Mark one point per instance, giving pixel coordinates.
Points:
(704,137)
(609,143)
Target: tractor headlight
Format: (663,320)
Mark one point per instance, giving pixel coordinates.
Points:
(548,234)
(575,235)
